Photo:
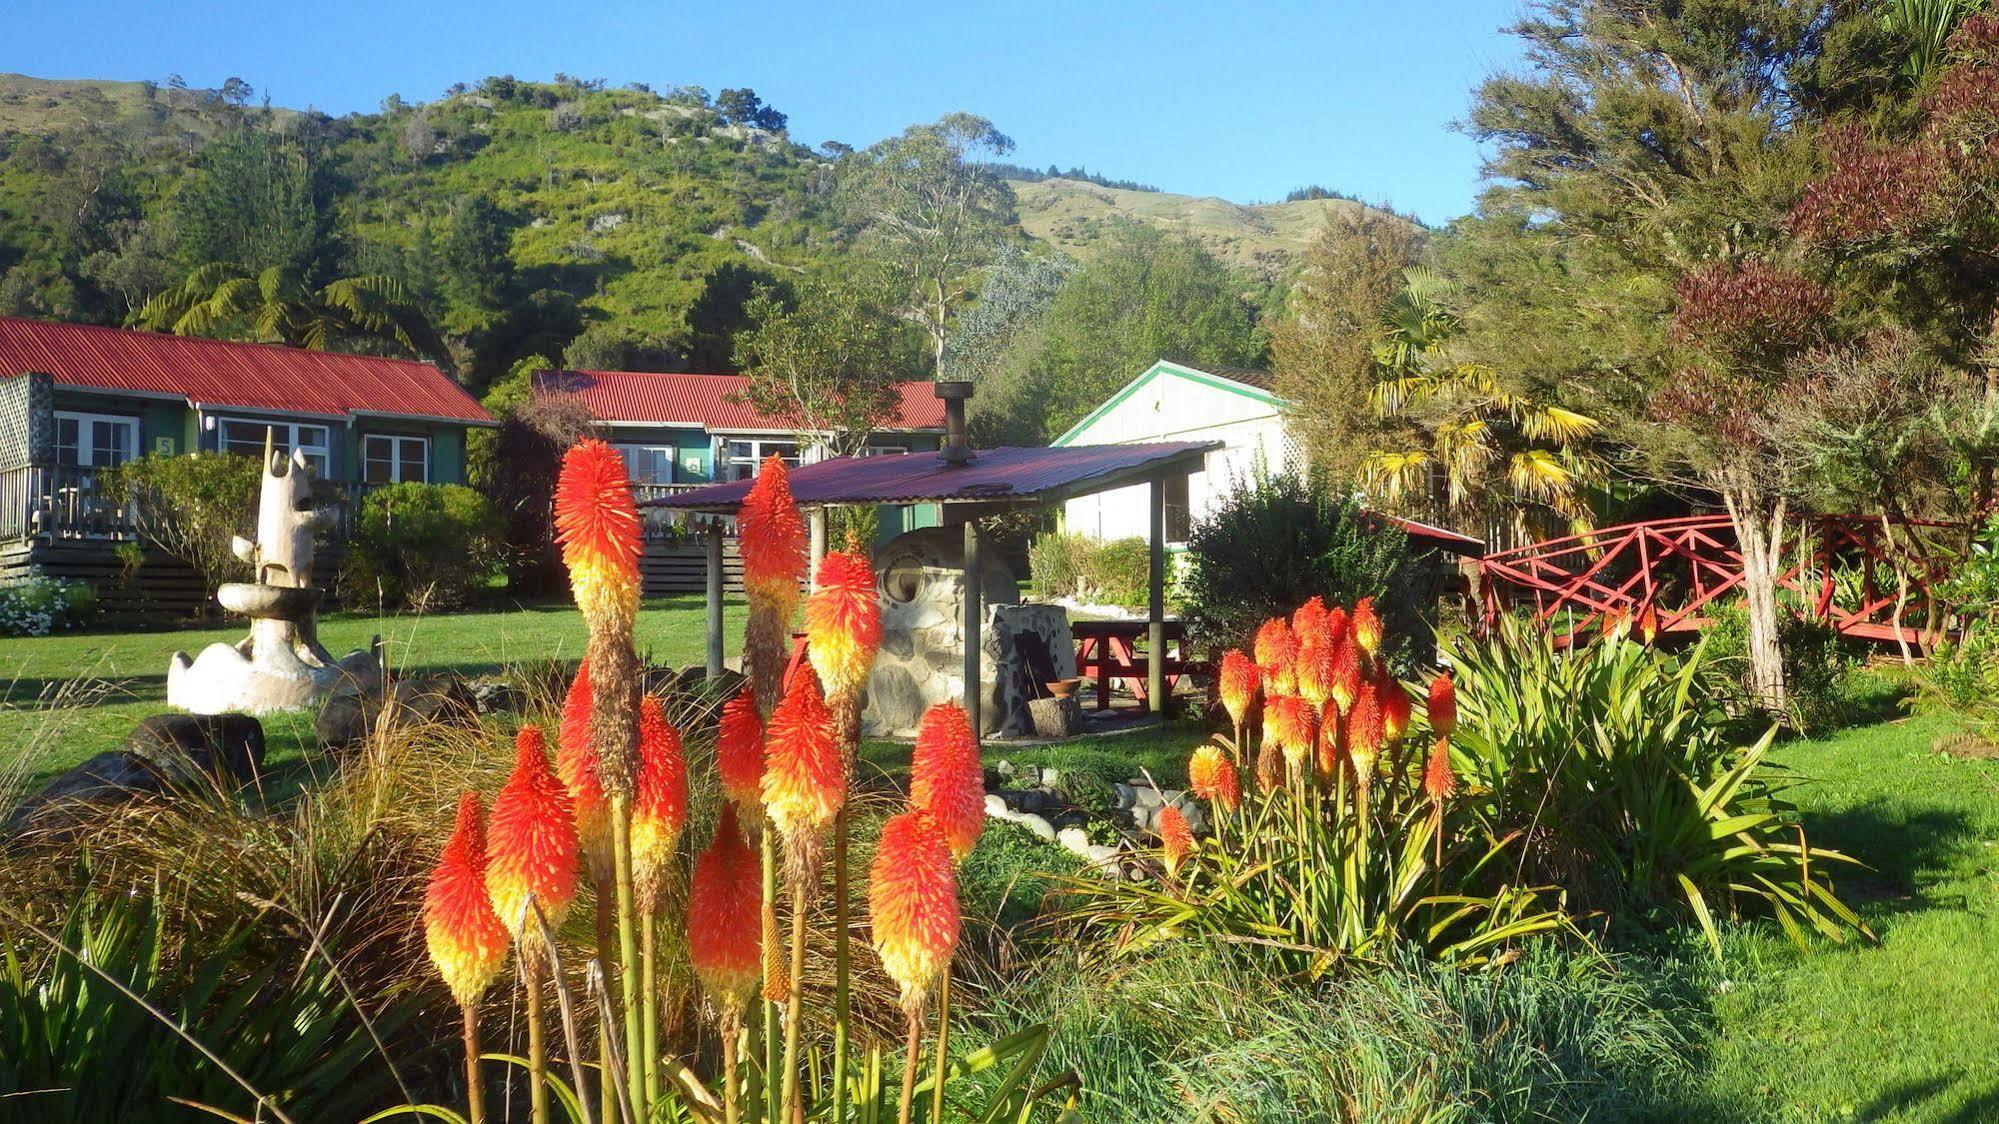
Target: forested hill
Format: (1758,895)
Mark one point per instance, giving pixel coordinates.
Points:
(605,226)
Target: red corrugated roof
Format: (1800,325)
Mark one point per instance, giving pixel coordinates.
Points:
(704,400)
(994,475)
(214,373)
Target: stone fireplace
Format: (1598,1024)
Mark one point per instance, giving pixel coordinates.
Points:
(922,658)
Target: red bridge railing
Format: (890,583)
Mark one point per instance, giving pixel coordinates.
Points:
(1843,569)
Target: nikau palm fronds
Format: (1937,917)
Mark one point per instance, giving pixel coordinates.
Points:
(280,306)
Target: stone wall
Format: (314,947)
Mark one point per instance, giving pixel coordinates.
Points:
(922,658)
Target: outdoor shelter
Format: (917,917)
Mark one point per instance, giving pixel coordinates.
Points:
(968,485)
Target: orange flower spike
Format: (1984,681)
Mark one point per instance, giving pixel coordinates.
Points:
(1308,622)
(913,905)
(1212,776)
(659,806)
(1648,623)
(1395,709)
(576,764)
(1346,674)
(1442,708)
(1440,782)
(739,752)
(945,777)
(804,780)
(1315,672)
(1288,723)
(1332,743)
(1276,652)
(1364,733)
(1241,679)
(770,534)
(843,622)
(467,943)
(1614,624)
(532,847)
(1176,837)
(724,897)
(1338,627)
(597,525)
(1366,626)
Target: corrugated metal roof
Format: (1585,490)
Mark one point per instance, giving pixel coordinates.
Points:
(1446,540)
(1248,376)
(215,373)
(1001,475)
(705,400)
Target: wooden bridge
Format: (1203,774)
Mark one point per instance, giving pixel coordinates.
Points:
(1842,569)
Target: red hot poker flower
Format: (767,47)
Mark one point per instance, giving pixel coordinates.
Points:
(843,622)
(1276,651)
(1308,622)
(1316,667)
(739,752)
(532,848)
(576,763)
(913,905)
(1240,678)
(659,807)
(1439,781)
(1212,776)
(1332,744)
(1395,709)
(1364,734)
(1269,767)
(1366,626)
(945,778)
(804,776)
(466,940)
(724,936)
(771,537)
(1346,674)
(1288,723)
(597,524)
(1443,706)
(1176,837)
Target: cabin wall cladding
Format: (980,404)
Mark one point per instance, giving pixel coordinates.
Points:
(27,420)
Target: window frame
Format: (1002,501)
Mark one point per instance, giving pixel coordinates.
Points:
(396,441)
(656,452)
(85,419)
(727,463)
(291,440)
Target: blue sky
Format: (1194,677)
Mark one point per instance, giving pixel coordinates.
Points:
(1245,101)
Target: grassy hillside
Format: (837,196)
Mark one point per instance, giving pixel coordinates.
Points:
(1266,237)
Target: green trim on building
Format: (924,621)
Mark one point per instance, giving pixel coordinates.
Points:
(1166,367)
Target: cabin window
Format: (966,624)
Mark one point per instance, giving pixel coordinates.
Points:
(883,450)
(737,458)
(242,435)
(648,464)
(95,440)
(388,458)
(1179,518)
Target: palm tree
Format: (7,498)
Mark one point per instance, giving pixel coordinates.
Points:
(1469,448)
(279,306)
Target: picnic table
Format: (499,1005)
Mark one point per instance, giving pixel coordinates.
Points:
(1108,652)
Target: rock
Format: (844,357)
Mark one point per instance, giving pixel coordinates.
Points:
(1104,859)
(66,803)
(493,696)
(1032,800)
(200,744)
(996,805)
(1075,839)
(1145,796)
(1004,767)
(895,702)
(442,700)
(343,721)
(1123,796)
(1037,825)
(1050,777)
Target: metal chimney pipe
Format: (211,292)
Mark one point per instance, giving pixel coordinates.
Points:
(957,449)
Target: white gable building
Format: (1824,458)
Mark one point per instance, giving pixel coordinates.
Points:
(1180,402)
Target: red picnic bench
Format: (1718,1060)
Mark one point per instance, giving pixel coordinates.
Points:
(1107,651)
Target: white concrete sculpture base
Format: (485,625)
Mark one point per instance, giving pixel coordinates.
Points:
(281,664)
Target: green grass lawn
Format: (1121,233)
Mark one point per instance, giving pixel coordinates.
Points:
(64,698)
(1904,1030)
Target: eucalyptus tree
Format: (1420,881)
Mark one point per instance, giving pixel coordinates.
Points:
(927,207)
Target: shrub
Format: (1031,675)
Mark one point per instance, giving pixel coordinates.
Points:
(1117,572)
(42,605)
(1615,759)
(191,507)
(1274,542)
(1962,679)
(1818,662)
(421,546)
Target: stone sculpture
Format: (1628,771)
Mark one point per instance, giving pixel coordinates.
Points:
(281,665)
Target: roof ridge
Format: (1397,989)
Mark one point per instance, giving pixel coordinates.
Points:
(208,341)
